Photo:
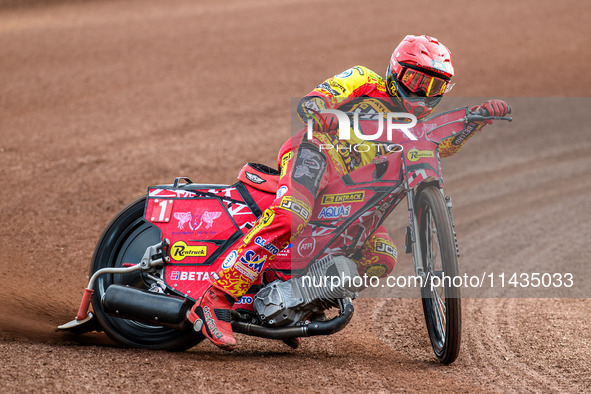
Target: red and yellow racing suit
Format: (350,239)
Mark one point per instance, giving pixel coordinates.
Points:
(306,171)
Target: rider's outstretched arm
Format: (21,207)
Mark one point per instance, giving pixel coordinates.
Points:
(453,144)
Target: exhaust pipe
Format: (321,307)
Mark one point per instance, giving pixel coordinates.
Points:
(146,307)
(312,329)
(171,311)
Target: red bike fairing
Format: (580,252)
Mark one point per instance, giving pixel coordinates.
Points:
(199,225)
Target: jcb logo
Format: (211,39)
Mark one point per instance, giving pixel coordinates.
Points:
(386,248)
(296,206)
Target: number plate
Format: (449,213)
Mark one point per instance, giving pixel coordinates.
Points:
(161,211)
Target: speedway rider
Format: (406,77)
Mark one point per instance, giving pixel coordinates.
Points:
(417,77)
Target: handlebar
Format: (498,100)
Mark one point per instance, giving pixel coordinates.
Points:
(482,114)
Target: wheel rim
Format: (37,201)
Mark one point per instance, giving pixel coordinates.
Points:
(434,267)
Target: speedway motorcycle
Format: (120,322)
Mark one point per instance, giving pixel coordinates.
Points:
(154,258)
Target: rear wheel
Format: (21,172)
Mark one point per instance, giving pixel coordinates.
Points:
(441,299)
(124,241)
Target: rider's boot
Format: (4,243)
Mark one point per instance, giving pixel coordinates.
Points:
(212,309)
(211,314)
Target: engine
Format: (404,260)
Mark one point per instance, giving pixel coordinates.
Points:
(319,287)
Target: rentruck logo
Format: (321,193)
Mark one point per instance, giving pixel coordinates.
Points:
(409,121)
(180,250)
(415,154)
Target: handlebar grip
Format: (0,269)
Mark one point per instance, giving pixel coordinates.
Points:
(483,111)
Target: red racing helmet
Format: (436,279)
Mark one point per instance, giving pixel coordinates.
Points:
(419,73)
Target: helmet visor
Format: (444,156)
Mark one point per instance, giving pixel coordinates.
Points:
(422,84)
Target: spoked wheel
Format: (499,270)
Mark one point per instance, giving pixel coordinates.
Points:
(441,302)
(124,242)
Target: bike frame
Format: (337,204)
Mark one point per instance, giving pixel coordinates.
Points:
(409,166)
(195,254)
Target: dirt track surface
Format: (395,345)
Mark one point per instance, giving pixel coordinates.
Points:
(100,100)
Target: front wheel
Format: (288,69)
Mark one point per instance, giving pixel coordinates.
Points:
(124,242)
(441,299)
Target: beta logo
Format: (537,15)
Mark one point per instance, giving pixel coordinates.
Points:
(180,250)
(335,212)
(460,138)
(184,275)
(415,154)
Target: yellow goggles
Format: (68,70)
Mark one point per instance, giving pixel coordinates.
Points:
(422,84)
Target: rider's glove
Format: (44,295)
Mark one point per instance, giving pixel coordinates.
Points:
(496,107)
(308,109)
(326,122)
